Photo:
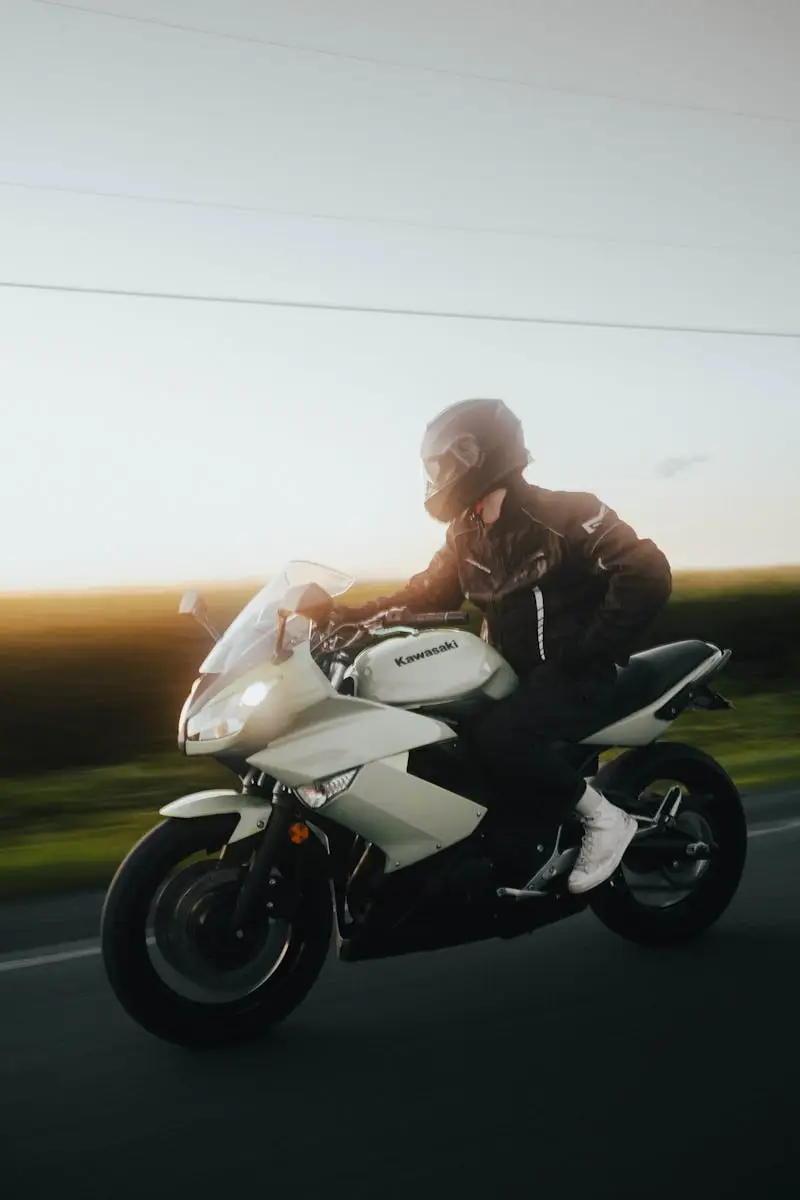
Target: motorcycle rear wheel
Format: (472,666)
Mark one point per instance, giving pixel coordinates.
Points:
(711,809)
(242,994)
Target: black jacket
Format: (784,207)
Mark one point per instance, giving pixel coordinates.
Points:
(557,577)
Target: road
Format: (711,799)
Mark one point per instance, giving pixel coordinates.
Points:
(568,1063)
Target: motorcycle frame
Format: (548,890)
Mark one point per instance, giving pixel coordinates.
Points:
(404,917)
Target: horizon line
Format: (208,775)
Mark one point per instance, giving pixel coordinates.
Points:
(106,589)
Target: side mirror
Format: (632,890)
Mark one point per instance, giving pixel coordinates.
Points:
(192,604)
(308,600)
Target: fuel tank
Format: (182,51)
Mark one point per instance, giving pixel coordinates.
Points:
(434,669)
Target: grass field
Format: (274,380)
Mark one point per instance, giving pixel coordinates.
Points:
(99,666)
(72,828)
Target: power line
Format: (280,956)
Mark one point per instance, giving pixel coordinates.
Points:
(390,222)
(297,48)
(377,310)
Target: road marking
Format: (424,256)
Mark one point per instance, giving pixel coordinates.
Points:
(44,960)
(782,827)
(62,956)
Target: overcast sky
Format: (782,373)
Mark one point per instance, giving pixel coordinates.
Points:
(148,440)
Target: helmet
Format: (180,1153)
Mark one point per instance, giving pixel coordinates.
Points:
(468,450)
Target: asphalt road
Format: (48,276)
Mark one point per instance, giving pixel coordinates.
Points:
(566,1064)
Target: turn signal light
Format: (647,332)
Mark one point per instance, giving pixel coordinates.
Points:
(298,833)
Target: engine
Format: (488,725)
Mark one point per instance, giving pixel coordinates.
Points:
(435,669)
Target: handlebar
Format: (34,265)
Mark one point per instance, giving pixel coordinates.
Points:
(397,619)
(431,620)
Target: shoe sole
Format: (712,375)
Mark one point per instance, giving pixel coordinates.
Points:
(632,829)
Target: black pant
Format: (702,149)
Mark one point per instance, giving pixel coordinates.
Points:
(514,738)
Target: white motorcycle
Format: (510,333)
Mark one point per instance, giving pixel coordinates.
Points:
(361,813)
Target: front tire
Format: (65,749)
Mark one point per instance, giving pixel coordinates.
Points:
(155,1004)
(711,798)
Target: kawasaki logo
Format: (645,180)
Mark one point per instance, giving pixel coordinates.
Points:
(405,659)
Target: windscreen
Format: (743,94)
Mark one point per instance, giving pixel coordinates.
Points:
(253,633)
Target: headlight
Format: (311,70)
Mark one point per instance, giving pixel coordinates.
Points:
(187,704)
(320,793)
(225,717)
(255,694)
(217,720)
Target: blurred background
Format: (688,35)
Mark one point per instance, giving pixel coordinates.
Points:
(248,250)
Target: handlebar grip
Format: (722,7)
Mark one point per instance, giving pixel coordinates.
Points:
(433,620)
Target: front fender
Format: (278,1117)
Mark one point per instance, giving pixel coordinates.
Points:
(254,812)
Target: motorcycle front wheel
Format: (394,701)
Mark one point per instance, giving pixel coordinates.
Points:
(170,952)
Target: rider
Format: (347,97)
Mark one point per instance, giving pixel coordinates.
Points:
(565,588)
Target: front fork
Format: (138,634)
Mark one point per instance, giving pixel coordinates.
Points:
(294,847)
(268,853)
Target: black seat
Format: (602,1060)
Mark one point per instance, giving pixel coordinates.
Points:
(652,673)
(643,681)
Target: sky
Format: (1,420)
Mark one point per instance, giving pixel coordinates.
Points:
(596,160)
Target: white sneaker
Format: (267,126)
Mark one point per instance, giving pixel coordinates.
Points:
(608,833)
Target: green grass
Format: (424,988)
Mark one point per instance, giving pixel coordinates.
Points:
(758,742)
(71,829)
(47,861)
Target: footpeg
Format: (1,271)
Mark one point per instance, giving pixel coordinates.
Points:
(558,865)
(519,893)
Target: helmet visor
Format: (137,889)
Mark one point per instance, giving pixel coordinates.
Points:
(459,457)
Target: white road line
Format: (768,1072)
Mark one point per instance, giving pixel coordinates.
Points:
(61,956)
(781,827)
(44,960)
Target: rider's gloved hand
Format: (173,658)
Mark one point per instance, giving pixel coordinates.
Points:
(365,614)
(351,615)
(388,614)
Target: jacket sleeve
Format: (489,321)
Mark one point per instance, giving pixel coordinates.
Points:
(639,583)
(436,589)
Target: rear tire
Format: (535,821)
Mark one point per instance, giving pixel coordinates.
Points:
(142,992)
(616,904)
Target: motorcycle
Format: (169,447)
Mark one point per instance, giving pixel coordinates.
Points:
(361,817)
